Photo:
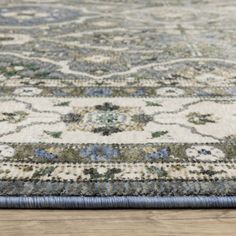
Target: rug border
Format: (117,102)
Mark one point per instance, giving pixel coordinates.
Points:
(116,202)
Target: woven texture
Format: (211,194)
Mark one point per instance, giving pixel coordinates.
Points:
(108,99)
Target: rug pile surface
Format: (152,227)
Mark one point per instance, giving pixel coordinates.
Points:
(117,103)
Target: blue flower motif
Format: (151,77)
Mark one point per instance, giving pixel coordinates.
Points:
(58,92)
(38,152)
(139,92)
(232,91)
(203,151)
(200,92)
(163,153)
(98,92)
(99,152)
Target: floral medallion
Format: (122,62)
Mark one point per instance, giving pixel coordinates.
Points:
(106,119)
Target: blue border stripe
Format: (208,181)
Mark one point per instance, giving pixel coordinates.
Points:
(117,202)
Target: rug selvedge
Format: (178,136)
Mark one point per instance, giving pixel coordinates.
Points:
(101,104)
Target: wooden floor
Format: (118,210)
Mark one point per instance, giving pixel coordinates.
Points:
(118,222)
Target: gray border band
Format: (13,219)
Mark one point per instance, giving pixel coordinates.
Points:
(73,202)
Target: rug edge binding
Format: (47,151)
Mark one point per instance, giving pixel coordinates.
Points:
(116,202)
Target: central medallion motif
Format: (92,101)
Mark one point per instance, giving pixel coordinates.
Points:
(106,119)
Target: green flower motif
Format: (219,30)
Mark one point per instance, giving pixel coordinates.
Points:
(108,175)
(63,104)
(160,172)
(71,118)
(54,134)
(200,119)
(159,134)
(13,117)
(153,104)
(47,171)
(107,107)
(142,118)
(211,171)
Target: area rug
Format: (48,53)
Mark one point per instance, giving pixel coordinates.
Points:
(115,104)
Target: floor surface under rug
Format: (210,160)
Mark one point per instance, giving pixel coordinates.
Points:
(113,104)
